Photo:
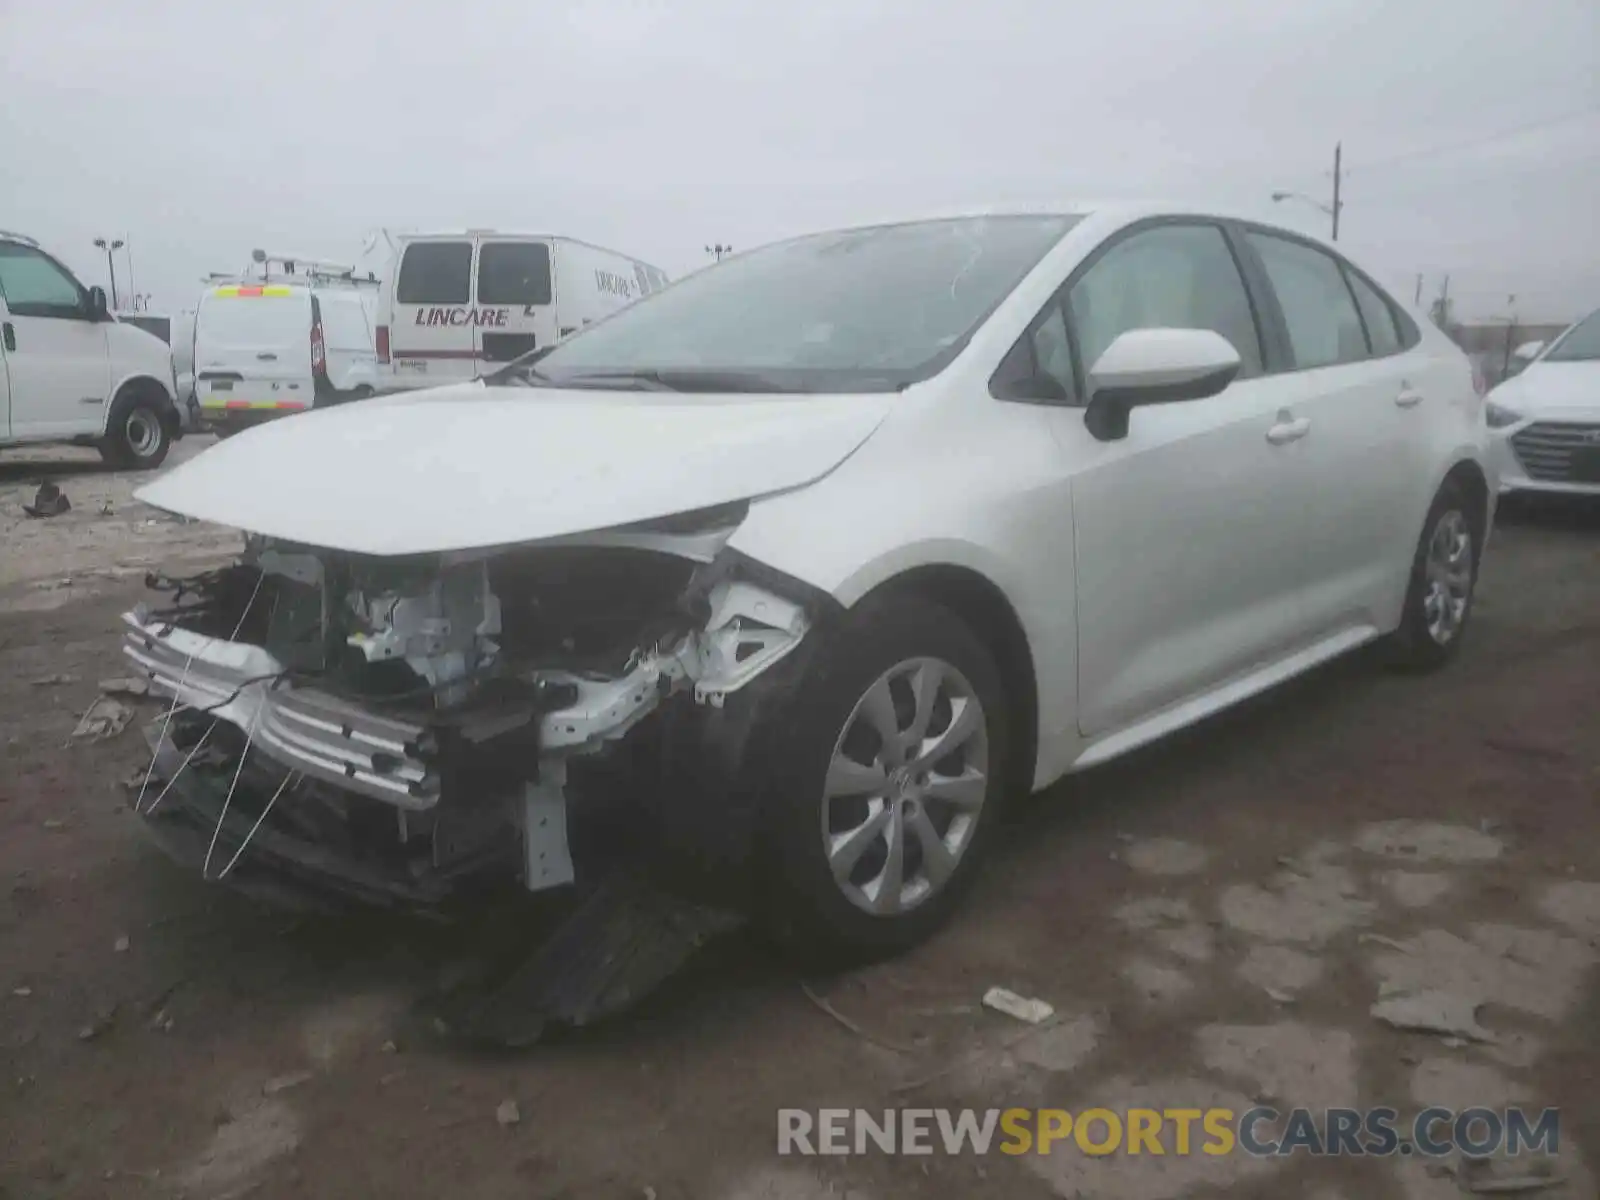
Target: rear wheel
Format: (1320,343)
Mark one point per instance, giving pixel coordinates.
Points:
(890,789)
(138,436)
(1444,576)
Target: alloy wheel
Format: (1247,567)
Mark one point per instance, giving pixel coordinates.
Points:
(1448,577)
(906,786)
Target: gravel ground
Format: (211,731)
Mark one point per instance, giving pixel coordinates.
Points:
(1212,921)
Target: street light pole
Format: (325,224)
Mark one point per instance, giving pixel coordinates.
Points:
(1338,203)
(1338,159)
(719,250)
(111,264)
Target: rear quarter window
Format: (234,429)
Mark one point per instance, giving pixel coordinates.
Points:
(435,273)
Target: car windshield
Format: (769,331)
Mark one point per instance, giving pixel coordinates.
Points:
(871,309)
(1581,343)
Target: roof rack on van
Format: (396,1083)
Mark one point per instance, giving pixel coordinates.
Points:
(18,237)
(294,268)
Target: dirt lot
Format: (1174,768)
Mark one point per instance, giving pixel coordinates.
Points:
(1212,922)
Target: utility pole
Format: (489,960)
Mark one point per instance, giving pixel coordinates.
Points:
(1417,299)
(719,250)
(127,248)
(1338,173)
(111,264)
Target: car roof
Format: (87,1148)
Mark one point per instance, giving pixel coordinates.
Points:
(1111,211)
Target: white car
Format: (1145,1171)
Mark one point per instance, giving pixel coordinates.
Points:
(71,372)
(1545,420)
(807,563)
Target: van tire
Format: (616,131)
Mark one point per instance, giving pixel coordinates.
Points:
(139,432)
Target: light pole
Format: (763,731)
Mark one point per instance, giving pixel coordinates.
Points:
(1337,207)
(111,265)
(719,250)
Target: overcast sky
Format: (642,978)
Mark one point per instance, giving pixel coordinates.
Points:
(201,130)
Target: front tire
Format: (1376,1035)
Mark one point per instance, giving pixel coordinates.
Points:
(138,438)
(1444,578)
(887,792)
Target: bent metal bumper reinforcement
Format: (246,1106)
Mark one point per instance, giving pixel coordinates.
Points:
(312,732)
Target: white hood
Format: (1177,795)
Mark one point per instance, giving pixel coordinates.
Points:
(471,467)
(1546,386)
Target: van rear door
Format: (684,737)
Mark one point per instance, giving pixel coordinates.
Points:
(515,300)
(431,336)
(252,349)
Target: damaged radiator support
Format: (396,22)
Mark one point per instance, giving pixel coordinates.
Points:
(463,728)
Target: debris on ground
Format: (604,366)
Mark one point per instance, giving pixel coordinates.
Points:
(54,680)
(865,1035)
(1034,1012)
(102,1021)
(1446,1013)
(103,719)
(121,944)
(49,501)
(130,685)
(24,992)
(508,1113)
(282,1083)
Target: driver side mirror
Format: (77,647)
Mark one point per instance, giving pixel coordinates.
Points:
(98,309)
(1155,366)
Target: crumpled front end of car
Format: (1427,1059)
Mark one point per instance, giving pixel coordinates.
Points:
(399,730)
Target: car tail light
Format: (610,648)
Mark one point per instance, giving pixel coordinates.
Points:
(319,362)
(383,343)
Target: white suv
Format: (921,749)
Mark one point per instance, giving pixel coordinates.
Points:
(70,372)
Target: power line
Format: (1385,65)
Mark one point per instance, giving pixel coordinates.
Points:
(1473,143)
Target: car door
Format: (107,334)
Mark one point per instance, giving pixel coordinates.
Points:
(432,338)
(515,299)
(1187,563)
(55,348)
(1358,389)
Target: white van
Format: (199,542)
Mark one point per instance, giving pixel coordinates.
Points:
(283,344)
(456,305)
(72,372)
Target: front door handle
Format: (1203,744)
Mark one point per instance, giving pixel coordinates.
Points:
(1408,398)
(267,356)
(10,333)
(1285,432)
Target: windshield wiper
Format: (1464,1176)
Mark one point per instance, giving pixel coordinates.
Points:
(684,379)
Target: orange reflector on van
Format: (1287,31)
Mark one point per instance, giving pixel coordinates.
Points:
(255,290)
(285,405)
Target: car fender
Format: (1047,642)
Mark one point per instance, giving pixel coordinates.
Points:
(139,378)
(1014,532)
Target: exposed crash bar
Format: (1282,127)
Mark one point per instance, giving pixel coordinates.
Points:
(305,729)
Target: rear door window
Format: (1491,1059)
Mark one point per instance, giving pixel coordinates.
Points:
(1320,312)
(435,273)
(514,273)
(265,322)
(1378,316)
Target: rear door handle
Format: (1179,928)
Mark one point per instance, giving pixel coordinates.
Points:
(267,357)
(10,334)
(1408,398)
(1285,432)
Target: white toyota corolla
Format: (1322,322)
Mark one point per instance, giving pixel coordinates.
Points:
(787,576)
(1545,421)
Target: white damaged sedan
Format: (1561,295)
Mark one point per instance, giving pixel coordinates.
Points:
(787,576)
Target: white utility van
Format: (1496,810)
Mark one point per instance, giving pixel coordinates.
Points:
(178,333)
(71,372)
(457,305)
(296,335)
